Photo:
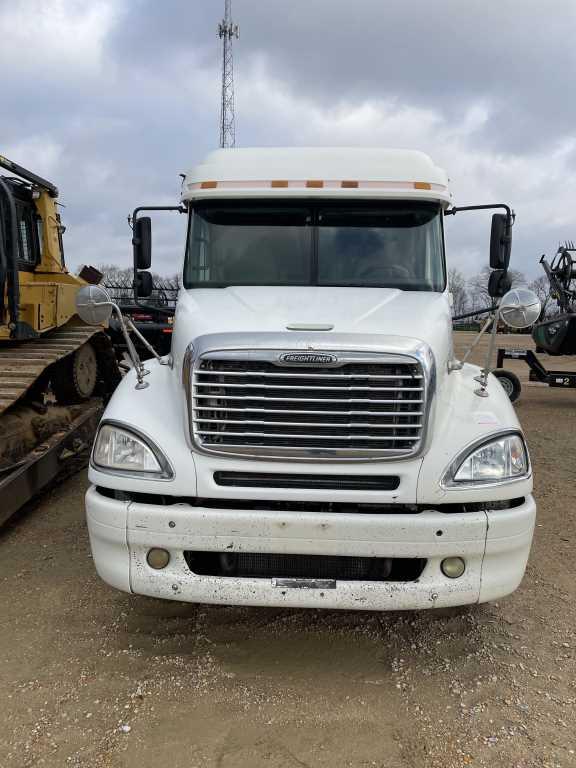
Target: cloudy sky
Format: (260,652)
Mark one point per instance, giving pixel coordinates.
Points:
(112,99)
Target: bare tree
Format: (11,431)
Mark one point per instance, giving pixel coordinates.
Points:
(119,283)
(541,288)
(478,286)
(459,291)
(115,275)
(517,278)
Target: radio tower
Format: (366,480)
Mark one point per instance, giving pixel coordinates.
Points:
(227,31)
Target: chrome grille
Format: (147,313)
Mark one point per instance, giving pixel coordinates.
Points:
(360,408)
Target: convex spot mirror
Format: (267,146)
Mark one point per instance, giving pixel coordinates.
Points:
(142,242)
(520,308)
(500,241)
(144,284)
(93,304)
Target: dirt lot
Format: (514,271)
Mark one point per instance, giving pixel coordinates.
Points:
(93,677)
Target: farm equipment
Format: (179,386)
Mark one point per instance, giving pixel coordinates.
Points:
(52,365)
(554,335)
(154,321)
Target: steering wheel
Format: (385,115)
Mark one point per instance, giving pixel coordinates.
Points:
(380,273)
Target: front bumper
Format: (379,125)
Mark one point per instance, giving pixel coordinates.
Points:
(494,543)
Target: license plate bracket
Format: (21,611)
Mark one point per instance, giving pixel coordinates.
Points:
(305,583)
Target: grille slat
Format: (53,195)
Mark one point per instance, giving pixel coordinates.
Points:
(359,409)
(300,387)
(306,399)
(223,433)
(323,424)
(311,413)
(384,376)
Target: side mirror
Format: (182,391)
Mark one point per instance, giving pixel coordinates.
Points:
(93,304)
(144,284)
(520,308)
(498,284)
(142,242)
(500,241)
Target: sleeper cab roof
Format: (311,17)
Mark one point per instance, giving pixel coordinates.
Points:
(346,172)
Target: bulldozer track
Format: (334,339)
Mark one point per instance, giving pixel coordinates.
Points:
(21,363)
(60,454)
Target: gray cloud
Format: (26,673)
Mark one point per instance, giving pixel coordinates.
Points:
(126,96)
(515,53)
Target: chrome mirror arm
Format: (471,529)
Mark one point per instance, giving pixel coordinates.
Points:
(132,352)
(482,390)
(149,347)
(457,365)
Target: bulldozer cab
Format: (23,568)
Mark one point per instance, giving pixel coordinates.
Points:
(30,215)
(36,289)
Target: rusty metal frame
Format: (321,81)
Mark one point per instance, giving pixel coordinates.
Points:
(46,461)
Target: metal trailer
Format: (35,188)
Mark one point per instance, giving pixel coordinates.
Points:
(555,335)
(511,382)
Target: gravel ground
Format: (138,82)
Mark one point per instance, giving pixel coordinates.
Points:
(93,677)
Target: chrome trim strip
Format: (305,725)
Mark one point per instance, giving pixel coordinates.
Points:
(266,354)
(349,348)
(311,454)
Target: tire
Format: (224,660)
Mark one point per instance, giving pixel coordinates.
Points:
(510,383)
(74,378)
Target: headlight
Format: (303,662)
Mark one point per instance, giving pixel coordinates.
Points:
(500,460)
(121,450)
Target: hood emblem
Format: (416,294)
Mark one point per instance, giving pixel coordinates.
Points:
(307,358)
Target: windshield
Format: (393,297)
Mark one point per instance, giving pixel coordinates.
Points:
(391,244)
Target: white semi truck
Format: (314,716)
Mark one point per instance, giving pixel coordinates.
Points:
(311,440)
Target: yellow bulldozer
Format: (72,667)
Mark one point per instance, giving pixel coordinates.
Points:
(49,360)
(42,341)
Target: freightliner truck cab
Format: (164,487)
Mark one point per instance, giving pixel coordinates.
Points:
(311,440)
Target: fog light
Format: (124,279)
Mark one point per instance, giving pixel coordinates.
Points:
(158,558)
(453,567)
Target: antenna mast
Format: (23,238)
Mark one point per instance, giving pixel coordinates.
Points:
(227,31)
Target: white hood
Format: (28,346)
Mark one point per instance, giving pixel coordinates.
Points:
(418,315)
